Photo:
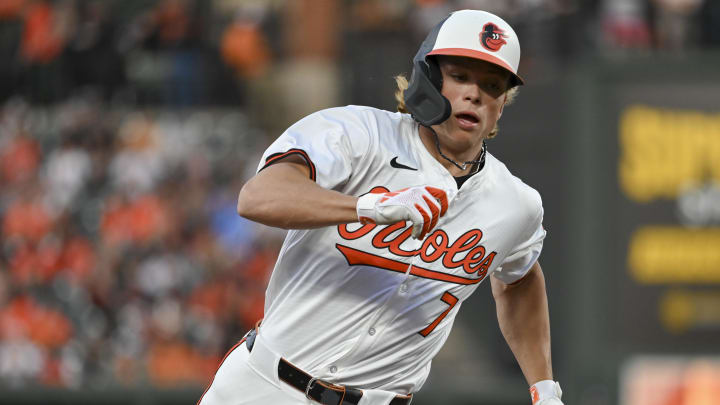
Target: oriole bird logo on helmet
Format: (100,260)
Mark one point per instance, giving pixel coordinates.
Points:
(491,37)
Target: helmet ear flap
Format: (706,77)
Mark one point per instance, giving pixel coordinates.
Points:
(423,98)
(433,72)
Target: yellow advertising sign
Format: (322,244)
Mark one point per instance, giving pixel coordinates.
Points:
(681,310)
(663,152)
(673,254)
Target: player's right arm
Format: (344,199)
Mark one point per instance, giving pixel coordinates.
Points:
(283,195)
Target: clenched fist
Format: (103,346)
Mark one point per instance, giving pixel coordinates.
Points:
(422,206)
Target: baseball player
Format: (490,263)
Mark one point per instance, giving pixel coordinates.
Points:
(394,219)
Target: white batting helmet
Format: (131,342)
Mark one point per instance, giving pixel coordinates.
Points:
(470,33)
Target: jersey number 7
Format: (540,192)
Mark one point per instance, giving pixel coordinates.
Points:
(448,299)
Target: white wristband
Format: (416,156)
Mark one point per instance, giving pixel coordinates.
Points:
(365,208)
(545,389)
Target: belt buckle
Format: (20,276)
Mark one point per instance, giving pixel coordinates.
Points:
(309,387)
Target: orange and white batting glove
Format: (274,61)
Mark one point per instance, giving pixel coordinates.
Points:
(546,392)
(422,206)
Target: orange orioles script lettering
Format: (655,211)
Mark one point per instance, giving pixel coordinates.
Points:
(466,251)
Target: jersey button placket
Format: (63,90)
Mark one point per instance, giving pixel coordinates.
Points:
(371,331)
(333,369)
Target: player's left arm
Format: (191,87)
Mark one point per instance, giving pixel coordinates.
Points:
(524,319)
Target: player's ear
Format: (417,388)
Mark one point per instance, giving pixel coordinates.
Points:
(505,96)
(502,107)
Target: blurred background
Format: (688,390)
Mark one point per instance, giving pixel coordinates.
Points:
(127,128)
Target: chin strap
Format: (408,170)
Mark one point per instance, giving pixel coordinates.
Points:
(462,166)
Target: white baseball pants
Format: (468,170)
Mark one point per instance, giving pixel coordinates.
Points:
(250,378)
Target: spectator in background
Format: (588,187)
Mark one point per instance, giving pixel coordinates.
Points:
(244,48)
(19,158)
(66,172)
(11,26)
(624,24)
(674,26)
(137,166)
(174,31)
(93,57)
(45,33)
(31,333)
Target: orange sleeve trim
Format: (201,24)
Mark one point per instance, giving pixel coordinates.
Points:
(276,157)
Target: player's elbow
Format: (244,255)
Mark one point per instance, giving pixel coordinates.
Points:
(247,205)
(259,203)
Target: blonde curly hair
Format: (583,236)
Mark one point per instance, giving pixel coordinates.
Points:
(402,85)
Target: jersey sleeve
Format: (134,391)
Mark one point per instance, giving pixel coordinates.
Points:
(517,264)
(332,143)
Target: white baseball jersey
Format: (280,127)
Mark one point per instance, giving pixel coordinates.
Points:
(366,305)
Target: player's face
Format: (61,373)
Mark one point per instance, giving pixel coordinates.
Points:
(477,92)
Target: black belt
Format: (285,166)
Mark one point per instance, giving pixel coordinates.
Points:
(318,390)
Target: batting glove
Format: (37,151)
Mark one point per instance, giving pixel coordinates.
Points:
(546,392)
(422,206)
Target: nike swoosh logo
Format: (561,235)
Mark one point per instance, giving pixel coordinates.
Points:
(397,165)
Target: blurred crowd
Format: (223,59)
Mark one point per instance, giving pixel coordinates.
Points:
(128,127)
(190,52)
(122,256)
